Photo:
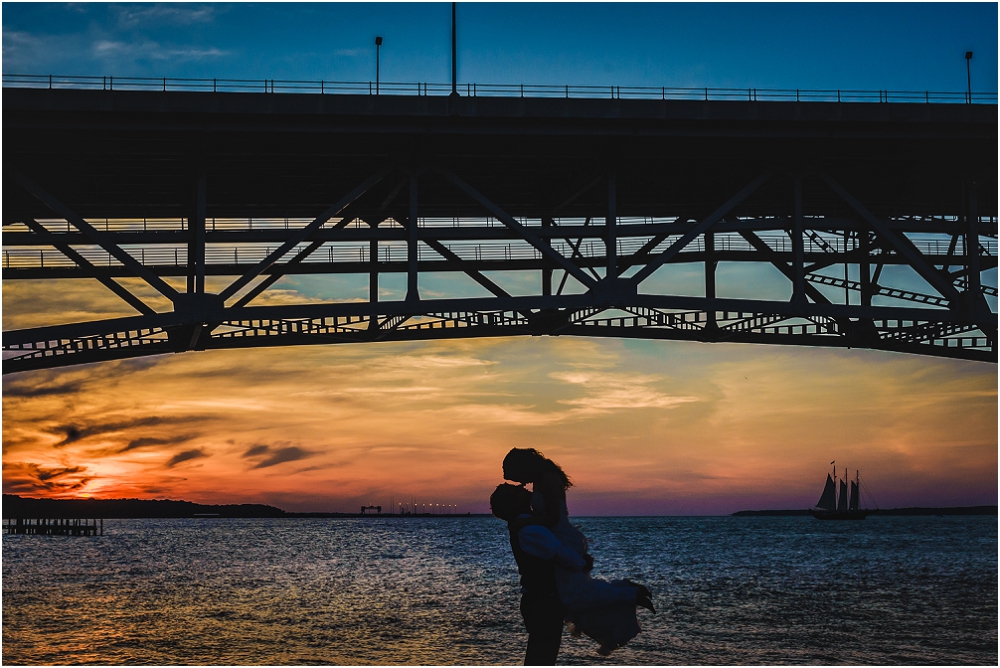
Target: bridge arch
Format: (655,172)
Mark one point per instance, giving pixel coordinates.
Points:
(568,215)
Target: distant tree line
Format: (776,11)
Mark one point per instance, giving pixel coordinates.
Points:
(18,507)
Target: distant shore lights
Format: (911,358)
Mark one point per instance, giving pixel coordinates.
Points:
(414,508)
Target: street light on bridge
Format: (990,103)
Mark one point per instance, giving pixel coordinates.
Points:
(968,74)
(454,52)
(378,48)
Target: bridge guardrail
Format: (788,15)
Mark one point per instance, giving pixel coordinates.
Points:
(322,87)
(396,251)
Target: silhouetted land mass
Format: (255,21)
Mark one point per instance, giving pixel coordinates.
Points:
(15,506)
(19,507)
(962,510)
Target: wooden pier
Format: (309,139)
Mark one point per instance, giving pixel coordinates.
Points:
(53,527)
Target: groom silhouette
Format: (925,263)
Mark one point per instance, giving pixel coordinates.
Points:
(535,550)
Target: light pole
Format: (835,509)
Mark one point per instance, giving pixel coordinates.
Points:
(968,74)
(378,49)
(454,53)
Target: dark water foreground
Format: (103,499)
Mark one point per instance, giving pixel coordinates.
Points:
(729,590)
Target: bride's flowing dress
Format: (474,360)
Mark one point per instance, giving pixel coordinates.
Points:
(603,610)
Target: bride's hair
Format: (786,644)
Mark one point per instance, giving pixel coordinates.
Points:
(535,463)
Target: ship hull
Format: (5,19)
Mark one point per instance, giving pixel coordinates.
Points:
(840,514)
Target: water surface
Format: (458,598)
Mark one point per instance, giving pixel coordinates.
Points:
(729,590)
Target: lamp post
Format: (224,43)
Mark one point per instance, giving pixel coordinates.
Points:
(968,74)
(454,53)
(378,49)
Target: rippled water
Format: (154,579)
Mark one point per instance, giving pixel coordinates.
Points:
(729,590)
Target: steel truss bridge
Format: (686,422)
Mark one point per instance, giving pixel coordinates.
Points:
(589,217)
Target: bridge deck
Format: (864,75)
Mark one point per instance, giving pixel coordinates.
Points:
(135,153)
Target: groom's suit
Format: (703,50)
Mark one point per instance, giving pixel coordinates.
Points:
(535,550)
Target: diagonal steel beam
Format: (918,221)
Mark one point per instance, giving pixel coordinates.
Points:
(281,271)
(98,238)
(107,282)
(304,233)
(577,254)
(900,243)
(647,247)
(572,198)
(473,274)
(525,233)
(276,275)
(698,229)
(573,256)
(789,272)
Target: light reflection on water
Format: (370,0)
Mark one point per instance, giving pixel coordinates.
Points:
(444,591)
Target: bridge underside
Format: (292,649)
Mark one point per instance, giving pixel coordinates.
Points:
(876,223)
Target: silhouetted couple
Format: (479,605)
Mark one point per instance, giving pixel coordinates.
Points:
(555,566)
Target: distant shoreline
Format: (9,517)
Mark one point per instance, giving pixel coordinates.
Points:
(959,510)
(15,507)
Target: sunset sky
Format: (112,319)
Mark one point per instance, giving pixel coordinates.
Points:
(641,427)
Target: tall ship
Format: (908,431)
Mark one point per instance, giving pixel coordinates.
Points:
(842,505)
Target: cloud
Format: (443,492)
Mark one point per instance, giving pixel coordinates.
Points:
(31,478)
(503,414)
(274,456)
(33,304)
(150,50)
(438,361)
(185,456)
(148,441)
(16,42)
(617,391)
(68,382)
(256,451)
(73,433)
(130,16)
(34,387)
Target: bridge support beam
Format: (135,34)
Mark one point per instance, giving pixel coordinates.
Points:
(523,231)
(412,257)
(611,231)
(106,281)
(865,268)
(798,244)
(900,243)
(710,266)
(304,233)
(373,270)
(98,238)
(196,247)
(547,224)
(973,285)
(717,215)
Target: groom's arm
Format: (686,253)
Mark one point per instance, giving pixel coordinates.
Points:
(539,542)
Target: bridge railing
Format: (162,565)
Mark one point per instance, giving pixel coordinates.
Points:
(167,255)
(322,87)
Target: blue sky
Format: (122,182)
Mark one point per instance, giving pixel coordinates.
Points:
(899,46)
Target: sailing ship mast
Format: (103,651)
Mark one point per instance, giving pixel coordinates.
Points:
(855,492)
(844,505)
